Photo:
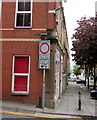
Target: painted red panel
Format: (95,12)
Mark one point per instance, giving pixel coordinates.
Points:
(21,64)
(20,83)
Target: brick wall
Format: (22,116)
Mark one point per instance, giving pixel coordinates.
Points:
(21,48)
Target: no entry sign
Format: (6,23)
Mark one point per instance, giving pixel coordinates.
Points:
(44,54)
(44,47)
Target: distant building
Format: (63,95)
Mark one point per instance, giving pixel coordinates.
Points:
(24,25)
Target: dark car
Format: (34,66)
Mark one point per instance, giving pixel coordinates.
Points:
(81,81)
(93,94)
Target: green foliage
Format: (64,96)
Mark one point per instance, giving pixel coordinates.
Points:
(76,70)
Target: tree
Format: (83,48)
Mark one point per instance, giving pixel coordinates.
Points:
(76,70)
(85,43)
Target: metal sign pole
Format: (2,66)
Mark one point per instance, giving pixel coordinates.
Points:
(43,90)
(44,63)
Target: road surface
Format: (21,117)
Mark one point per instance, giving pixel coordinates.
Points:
(26,115)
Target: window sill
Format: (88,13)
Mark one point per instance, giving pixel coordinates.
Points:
(23,27)
(20,93)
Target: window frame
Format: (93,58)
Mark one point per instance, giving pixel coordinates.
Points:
(23,12)
(20,74)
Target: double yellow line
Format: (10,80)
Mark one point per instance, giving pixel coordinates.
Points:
(35,115)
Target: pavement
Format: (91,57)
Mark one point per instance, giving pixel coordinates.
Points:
(67,105)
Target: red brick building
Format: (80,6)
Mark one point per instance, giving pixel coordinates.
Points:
(24,24)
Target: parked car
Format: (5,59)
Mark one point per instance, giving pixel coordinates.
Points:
(72,78)
(81,81)
(93,94)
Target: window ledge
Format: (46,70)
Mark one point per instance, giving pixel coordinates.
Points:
(20,93)
(23,27)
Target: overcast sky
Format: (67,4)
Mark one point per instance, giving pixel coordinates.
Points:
(74,10)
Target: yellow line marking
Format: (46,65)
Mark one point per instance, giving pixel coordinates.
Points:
(33,115)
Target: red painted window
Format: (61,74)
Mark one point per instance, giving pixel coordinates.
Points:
(20,83)
(20,74)
(21,65)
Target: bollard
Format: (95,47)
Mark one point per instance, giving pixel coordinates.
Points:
(79,100)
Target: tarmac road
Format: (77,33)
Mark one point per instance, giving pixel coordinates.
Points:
(47,119)
(10,115)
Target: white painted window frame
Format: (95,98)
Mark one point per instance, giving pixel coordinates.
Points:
(20,74)
(23,12)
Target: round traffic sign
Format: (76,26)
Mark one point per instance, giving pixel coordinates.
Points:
(44,48)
